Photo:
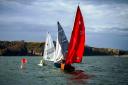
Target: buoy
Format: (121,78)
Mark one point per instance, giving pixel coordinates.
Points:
(23,60)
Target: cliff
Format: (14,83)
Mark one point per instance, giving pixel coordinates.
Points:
(21,48)
(13,48)
(93,51)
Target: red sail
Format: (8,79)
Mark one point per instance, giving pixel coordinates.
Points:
(77,41)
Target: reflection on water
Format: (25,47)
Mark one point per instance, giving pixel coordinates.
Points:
(107,70)
(78,77)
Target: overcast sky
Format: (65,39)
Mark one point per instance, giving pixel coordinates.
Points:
(29,20)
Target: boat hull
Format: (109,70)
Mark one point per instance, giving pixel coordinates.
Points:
(67,67)
(57,65)
(40,64)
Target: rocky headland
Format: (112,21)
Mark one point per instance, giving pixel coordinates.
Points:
(22,48)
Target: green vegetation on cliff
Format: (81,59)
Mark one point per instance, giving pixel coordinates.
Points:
(93,51)
(35,48)
(13,48)
(21,48)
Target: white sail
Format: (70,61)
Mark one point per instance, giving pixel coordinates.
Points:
(49,49)
(41,63)
(58,52)
(61,44)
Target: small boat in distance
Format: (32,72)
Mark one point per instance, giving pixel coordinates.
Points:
(61,46)
(42,63)
(49,50)
(76,44)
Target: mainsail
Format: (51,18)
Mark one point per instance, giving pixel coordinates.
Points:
(77,41)
(61,44)
(49,49)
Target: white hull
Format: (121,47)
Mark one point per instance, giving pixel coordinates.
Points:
(40,64)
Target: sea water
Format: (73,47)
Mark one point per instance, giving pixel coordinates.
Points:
(94,70)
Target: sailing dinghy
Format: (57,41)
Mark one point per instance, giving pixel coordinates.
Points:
(76,44)
(49,50)
(42,63)
(61,46)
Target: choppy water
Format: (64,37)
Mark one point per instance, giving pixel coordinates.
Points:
(100,70)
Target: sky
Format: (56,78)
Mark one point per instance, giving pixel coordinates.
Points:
(105,20)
